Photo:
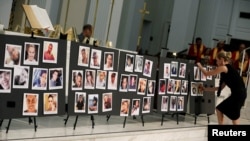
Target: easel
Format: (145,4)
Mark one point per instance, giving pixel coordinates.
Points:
(197,115)
(125,119)
(29,120)
(76,119)
(177,117)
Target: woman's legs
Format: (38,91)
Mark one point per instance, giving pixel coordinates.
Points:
(220,117)
(236,122)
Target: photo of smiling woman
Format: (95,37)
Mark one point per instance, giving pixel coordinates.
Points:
(5,81)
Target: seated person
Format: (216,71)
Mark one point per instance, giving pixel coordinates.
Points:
(196,50)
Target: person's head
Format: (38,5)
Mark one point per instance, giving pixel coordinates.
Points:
(150,86)
(221,44)
(84,54)
(87,30)
(31,52)
(180,101)
(89,76)
(14,54)
(55,74)
(95,58)
(136,103)
(198,41)
(50,47)
(79,79)
(166,69)
(242,47)
(31,102)
(124,82)
(109,60)
(223,58)
(129,60)
(80,98)
(148,65)
(5,79)
(132,80)
(50,100)
(95,101)
(24,75)
(43,78)
(102,75)
(124,107)
(113,75)
(106,98)
(143,85)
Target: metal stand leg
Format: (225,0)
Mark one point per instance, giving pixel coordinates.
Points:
(1,122)
(177,118)
(108,117)
(93,121)
(35,126)
(208,119)
(142,120)
(195,118)
(75,122)
(7,128)
(30,120)
(124,122)
(66,120)
(162,118)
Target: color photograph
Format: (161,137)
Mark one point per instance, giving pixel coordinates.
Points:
(132,82)
(12,55)
(56,78)
(93,103)
(129,64)
(108,61)
(101,77)
(182,70)
(83,56)
(125,105)
(180,103)
(162,86)
(148,68)
(80,102)
(124,83)
(31,53)
(96,56)
(50,50)
(30,104)
(184,87)
(166,71)
(171,86)
(142,86)
(146,104)
(77,80)
(5,81)
(50,103)
(151,88)
(107,102)
(196,73)
(173,103)
(39,80)
(89,82)
(138,63)
(21,77)
(174,69)
(112,80)
(135,108)
(164,103)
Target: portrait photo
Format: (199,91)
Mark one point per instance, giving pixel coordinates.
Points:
(108,61)
(173,103)
(162,86)
(124,83)
(135,108)
(166,71)
(142,86)
(148,68)
(55,78)
(30,104)
(196,73)
(184,87)
(151,88)
(164,103)
(107,102)
(93,103)
(138,63)
(5,80)
(96,56)
(203,76)
(146,104)
(182,70)
(209,77)
(12,55)
(199,88)
(83,56)
(80,102)
(50,50)
(39,80)
(132,82)
(129,63)
(89,82)
(77,80)
(125,105)
(180,103)
(171,86)
(177,86)
(101,78)
(21,77)
(174,69)
(31,53)
(112,80)
(194,89)
(50,103)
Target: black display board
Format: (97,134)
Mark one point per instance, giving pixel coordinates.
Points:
(13,101)
(173,82)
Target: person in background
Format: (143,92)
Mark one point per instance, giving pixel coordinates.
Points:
(219,47)
(196,50)
(231,106)
(238,54)
(86,35)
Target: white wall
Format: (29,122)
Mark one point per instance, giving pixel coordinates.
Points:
(5,8)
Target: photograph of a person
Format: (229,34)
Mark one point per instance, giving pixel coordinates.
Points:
(83,56)
(106,102)
(166,69)
(108,61)
(80,102)
(174,69)
(12,55)
(50,103)
(77,79)
(124,83)
(93,103)
(146,104)
(125,105)
(31,54)
(184,87)
(177,86)
(151,88)
(21,77)
(112,80)
(180,103)
(148,68)
(30,104)
(164,103)
(162,86)
(196,73)
(50,50)
(39,80)
(5,81)
(101,79)
(194,89)
(138,63)
(135,108)
(171,86)
(209,77)
(182,70)
(142,86)
(96,56)
(199,88)
(173,103)
(55,78)
(203,76)
(129,63)
(89,82)
(132,82)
